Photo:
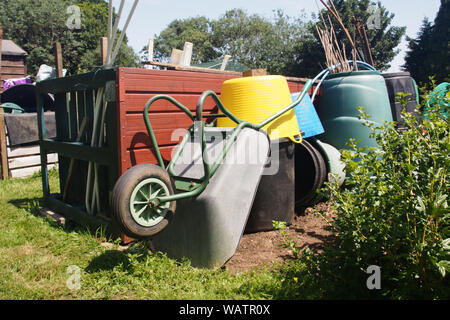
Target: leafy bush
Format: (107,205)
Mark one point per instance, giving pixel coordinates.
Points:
(393,213)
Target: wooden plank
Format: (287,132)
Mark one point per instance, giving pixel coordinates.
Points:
(112,171)
(103,48)
(77,82)
(23,151)
(151,43)
(164,137)
(81,112)
(58,60)
(138,156)
(175,56)
(41,133)
(121,125)
(158,121)
(12,63)
(73,115)
(1,64)
(72,161)
(89,112)
(167,85)
(135,102)
(3,149)
(6,76)
(298,80)
(190,68)
(225,62)
(26,172)
(75,214)
(180,74)
(62,116)
(254,72)
(186,82)
(186,73)
(18,70)
(44,212)
(187,54)
(30,161)
(78,151)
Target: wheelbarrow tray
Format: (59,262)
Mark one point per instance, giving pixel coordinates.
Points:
(207,229)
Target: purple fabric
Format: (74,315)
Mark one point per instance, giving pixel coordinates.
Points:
(12,82)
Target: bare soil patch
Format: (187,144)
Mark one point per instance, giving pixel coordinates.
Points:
(263,249)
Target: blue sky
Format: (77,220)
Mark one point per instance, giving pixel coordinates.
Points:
(152,16)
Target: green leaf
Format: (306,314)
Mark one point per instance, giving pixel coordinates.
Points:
(421,207)
(446,244)
(443,266)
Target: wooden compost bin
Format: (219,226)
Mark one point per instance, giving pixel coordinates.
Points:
(126,140)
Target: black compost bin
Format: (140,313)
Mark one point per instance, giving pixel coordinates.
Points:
(401,82)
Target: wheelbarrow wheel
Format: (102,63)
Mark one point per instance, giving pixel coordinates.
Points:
(132,201)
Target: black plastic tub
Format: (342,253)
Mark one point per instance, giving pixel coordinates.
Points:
(310,174)
(275,198)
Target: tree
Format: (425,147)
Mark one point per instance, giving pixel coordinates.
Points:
(94,21)
(283,44)
(259,42)
(252,40)
(36,25)
(382,37)
(428,54)
(196,30)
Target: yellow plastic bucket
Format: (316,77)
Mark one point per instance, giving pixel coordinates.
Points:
(254,99)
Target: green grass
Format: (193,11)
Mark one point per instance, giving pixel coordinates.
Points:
(35,254)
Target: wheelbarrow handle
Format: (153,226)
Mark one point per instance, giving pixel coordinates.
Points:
(224,110)
(213,95)
(149,126)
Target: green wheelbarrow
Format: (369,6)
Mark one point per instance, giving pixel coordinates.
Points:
(145,197)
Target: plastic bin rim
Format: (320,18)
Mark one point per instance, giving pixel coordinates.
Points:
(353,73)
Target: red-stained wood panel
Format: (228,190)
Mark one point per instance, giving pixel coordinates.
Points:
(136,86)
(135,102)
(139,139)
(162,81)
(137,156)
(163,120)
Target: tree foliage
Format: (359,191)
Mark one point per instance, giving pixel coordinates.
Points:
(282,44)
(393,213)
(382,37)
(36,25)
(252,40)
(428,54)
(197,30)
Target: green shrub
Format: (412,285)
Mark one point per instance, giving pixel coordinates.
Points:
(392,213)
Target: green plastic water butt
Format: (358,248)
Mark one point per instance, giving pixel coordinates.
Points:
(437,97)
(342,95)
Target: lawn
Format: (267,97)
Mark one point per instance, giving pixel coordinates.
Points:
(42,260)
